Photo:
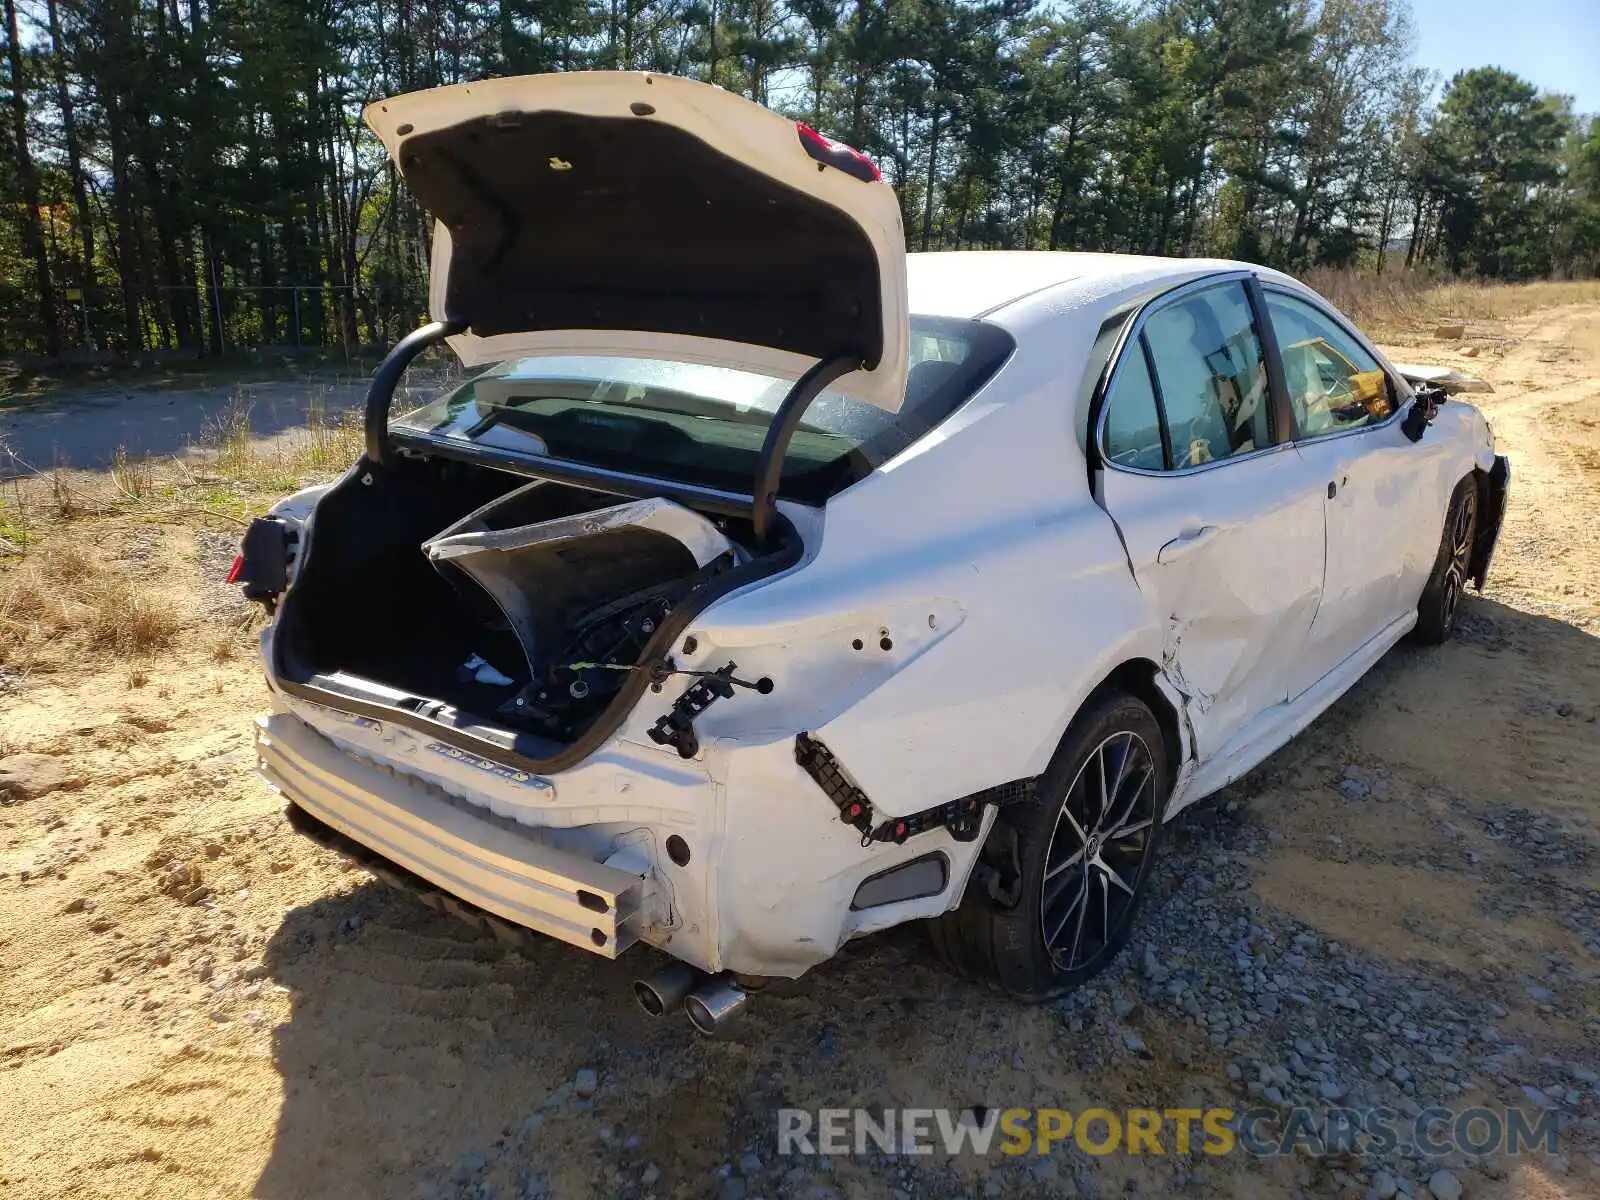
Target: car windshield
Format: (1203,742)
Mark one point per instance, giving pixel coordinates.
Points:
(705,425)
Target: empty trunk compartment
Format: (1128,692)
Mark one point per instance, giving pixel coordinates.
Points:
(518,612)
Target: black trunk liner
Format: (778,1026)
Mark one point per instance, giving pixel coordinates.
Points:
(426,664)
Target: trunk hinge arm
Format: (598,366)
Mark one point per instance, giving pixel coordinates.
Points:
(784,422)
(380,393)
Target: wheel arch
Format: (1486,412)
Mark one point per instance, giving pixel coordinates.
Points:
(1137,677)
(987,934)
(1140,678)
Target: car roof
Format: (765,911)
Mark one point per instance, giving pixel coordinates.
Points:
(981,283)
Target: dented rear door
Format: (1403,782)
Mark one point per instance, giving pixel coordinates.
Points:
(1222,524)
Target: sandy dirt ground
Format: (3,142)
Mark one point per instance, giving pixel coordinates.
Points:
(195,1002)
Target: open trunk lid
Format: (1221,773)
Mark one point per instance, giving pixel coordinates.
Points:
(649,216)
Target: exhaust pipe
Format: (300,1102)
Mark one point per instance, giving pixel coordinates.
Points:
(715,1005)
(665,991)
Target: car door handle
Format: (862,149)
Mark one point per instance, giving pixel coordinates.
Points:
(1185,543)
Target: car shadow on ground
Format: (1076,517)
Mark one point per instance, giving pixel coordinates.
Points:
(423,1058)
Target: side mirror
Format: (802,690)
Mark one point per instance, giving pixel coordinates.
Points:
(1424,407)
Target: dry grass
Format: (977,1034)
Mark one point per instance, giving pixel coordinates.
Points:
(325,447)
(15,528)
(1400,302)
(224,648)
(134,477)
(63,597)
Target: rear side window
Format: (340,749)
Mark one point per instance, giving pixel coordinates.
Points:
(1192,388)
(1212,375)
(1133,420)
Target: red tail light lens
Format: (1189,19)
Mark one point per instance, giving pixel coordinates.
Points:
(837,154)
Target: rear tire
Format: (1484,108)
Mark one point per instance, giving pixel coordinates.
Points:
(1079,851)
(1441,598)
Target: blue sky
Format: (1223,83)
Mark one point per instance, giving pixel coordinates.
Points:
(1554,44)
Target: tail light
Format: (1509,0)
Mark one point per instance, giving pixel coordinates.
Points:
(262,565)
(836,154)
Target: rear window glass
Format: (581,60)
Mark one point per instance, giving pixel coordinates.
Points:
(706,425)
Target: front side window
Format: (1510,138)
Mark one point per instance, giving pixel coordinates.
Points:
(1334,383)
(706,425)
(1211,374)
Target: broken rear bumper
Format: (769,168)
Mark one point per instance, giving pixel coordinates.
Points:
(766,879)
(1491,512)
(501,869)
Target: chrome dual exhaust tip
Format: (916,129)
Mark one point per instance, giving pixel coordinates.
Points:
(716,1005)
(712,1003)
(665,991)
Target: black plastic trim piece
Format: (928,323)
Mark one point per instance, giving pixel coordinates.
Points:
(817,761)
(1497,485)
(556,470)
(675,727)
(387,377)
(1160,398)
(1424,408)
(1283,425)
(961,819)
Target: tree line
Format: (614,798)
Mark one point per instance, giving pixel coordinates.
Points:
(193,174)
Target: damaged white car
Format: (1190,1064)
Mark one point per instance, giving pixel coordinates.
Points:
(768,587)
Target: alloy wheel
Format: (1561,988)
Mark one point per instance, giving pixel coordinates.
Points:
(1096,858)
(1455,575)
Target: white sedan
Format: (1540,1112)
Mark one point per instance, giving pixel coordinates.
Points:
(765,586)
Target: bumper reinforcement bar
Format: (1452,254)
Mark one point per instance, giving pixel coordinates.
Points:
(404,833)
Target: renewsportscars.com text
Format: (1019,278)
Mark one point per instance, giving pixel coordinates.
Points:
(1263,1132)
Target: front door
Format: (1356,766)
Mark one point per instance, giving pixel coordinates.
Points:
(1349,438)
(1222,523)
